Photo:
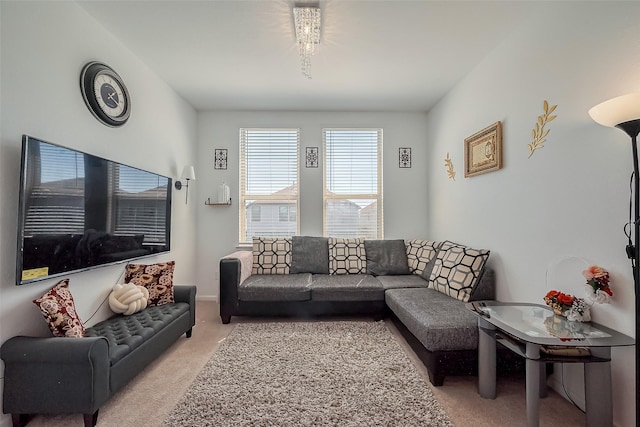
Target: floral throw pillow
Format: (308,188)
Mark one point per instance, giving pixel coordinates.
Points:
(157,278)
(59,311)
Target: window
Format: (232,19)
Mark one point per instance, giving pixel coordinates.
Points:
(287,213)
(353,183)
(255,212)
(269,173)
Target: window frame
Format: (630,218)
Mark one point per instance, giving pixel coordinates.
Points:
(243,195)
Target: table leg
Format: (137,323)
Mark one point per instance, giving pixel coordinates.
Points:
(544,392)
(597,385)
(486,359)
(533,384)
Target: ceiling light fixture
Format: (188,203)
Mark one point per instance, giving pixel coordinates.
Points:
(307,23)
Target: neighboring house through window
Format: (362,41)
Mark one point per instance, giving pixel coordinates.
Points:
(353,183)
(269,174)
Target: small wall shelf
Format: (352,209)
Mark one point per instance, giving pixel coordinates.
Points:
(208,202)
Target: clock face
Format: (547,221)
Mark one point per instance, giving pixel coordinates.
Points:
(105,94)
(109,95)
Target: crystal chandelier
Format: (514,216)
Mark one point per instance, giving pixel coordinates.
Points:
(307,22)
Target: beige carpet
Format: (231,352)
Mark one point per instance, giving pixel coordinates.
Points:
(151,396)
(346,373)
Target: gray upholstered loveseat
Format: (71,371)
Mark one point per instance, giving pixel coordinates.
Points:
(78,375)
(421,285)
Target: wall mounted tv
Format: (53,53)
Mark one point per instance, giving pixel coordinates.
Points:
(79,211)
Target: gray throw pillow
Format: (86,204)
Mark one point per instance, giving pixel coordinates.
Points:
(309,255)
(386,257)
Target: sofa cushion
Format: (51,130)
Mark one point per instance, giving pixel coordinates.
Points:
(157,278)
(457,269)
(271,255)
(126,333)
(309,255)
(419,253)
(351,287)
(276,287)
(437,320)
(59,311)
(386,257)
(347,256)
(405,281)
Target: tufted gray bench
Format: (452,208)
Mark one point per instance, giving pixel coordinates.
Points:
(78,375)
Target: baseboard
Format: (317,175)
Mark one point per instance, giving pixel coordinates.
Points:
(213,298)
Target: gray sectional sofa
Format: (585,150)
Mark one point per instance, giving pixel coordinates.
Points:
(422,285)
(59,375)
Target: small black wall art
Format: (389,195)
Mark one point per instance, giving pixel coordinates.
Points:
(404,157)
(220,158)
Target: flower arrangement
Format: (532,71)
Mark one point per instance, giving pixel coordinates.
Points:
(573,308)
(597,287)
(578,309)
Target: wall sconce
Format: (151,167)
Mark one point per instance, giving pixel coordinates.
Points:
(623,112)
(188,174)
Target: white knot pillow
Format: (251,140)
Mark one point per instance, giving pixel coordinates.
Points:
(128,298)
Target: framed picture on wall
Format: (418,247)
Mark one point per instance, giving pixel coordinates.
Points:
(220,158)
(483,151)
(311,157)
(404,157)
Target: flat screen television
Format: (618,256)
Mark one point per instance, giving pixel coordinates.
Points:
(78,211)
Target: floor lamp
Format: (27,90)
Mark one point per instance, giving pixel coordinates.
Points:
(623,112)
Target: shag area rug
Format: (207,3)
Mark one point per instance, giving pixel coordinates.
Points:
(309,374)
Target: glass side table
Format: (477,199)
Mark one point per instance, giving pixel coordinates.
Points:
(534,332)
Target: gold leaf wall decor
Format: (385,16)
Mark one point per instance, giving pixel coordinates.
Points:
(539,133)
(449,164)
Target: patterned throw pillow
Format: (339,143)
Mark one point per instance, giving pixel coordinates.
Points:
(457,269)
(157,278)
(59,311)
(347,256)
(419,253)
(271,255)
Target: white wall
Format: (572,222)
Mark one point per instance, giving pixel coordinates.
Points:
(43,48)
(405,201)
(546,217)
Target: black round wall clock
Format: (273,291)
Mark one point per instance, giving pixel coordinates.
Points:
(105,94)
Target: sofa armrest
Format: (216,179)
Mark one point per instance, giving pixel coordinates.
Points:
(234,269)
(55,375)
(184,293)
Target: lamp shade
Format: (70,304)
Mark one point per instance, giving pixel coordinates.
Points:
(188,173)
(618,110)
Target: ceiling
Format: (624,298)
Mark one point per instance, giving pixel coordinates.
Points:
(374,55)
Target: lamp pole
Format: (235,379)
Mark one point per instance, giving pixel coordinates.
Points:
(623,112)
(632,128)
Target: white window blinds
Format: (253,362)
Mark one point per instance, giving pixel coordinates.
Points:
(353,183)
(269,173)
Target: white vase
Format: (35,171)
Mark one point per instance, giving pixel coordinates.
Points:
(223,193)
